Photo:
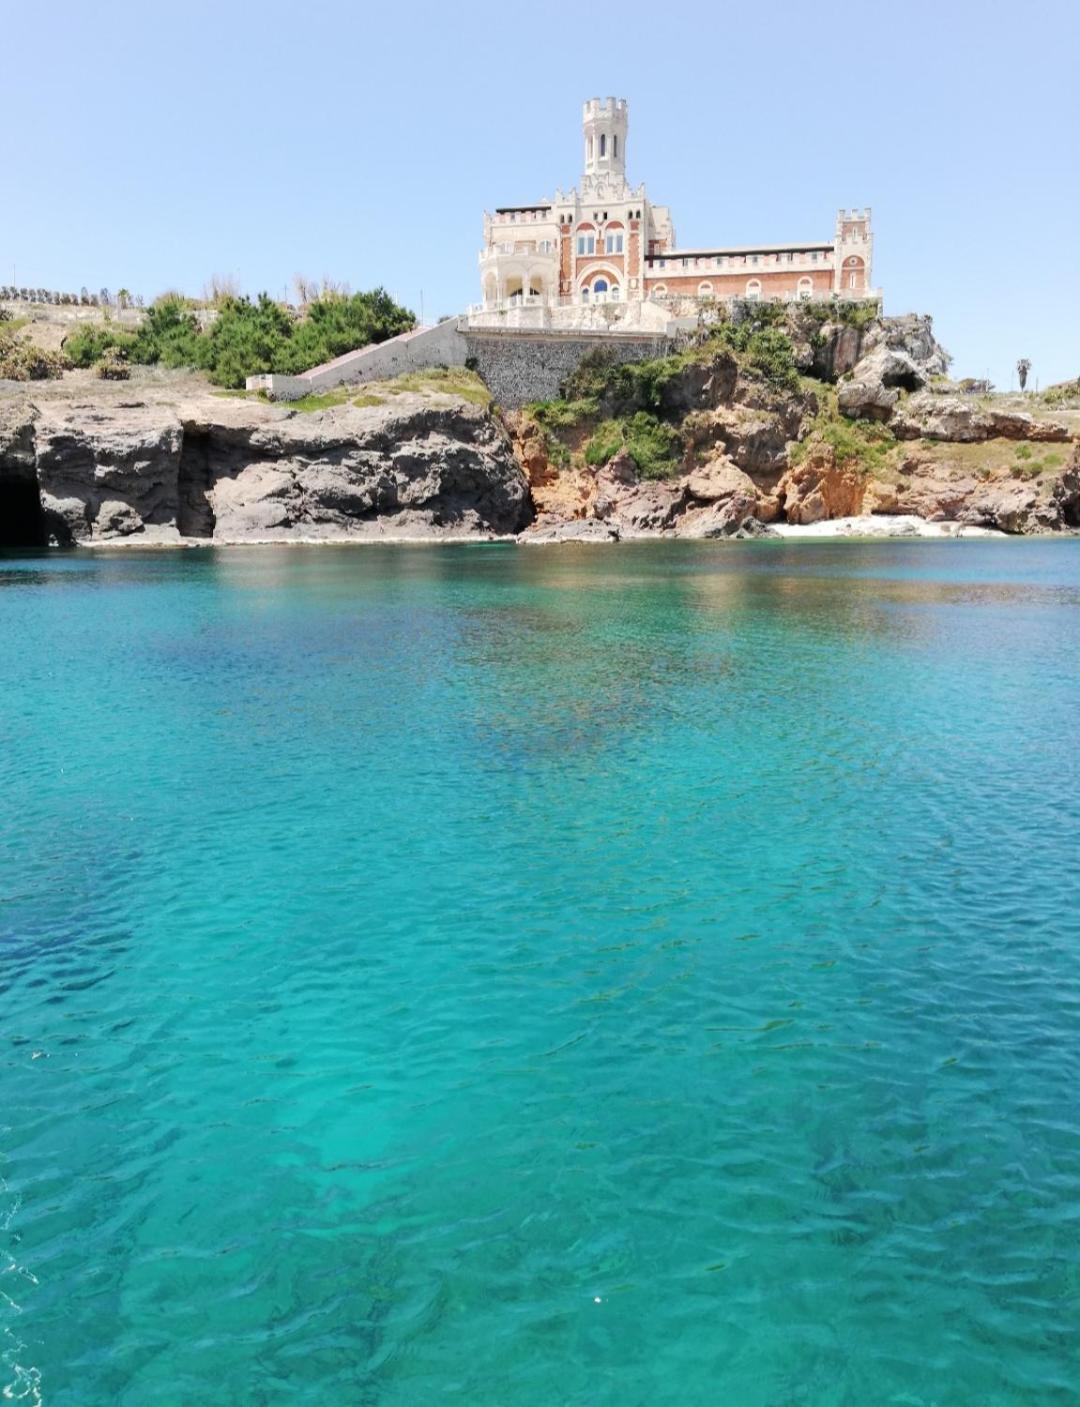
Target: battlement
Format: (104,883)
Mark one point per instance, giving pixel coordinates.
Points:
(603,107)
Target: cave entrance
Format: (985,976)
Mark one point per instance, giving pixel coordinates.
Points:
(22,520)
(195,510)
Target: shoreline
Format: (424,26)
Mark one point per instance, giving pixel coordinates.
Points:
(876,528)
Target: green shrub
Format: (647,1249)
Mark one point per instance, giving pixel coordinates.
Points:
(607,440)
(112,365)
(653,446)
(22,361)
(865,444)
(247,336)
(562,415)
(1023,451)
(87,344)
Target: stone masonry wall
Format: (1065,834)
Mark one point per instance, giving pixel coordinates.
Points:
(519,367)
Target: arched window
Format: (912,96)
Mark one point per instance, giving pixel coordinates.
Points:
(603,144)
(600,286)
(704,290)
(615,146)
(805,289)
(753,289)
(659,290)
(853,272)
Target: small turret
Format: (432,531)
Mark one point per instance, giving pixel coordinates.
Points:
(604,122)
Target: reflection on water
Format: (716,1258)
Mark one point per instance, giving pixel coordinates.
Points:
(550,975)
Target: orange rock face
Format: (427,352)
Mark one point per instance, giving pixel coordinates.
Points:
(818,489)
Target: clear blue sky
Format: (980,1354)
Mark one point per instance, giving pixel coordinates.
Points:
(152,145)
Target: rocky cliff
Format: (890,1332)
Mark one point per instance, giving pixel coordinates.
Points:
(785,418)
(84,462)
(794,421)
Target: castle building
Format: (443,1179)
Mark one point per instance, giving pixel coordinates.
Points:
(605,242)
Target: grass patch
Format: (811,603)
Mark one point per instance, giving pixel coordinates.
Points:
(449,380)
(654,447)
(563,415)
(327,401)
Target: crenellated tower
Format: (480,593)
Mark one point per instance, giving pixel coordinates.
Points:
(854,253)
(604,122)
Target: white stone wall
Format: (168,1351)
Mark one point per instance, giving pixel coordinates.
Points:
(441,345)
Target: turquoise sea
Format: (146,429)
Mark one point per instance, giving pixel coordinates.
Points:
(537,976)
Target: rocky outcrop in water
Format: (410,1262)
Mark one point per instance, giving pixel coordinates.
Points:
(209,467)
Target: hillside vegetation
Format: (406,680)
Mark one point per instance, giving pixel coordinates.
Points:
(247,336)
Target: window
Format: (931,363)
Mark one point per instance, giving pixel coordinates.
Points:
(813,256)
(615,147)
(805,289)
(791,258)
(613,244)
(704,290)
(586,244)
(614,292)
(603,144)
(753,290)
(686,263)
(754,259)
(600,286)
(660,291)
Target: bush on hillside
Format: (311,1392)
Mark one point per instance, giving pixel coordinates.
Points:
(247,336)
(22,361)
(653,446)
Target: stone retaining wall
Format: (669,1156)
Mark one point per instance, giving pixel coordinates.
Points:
(519,367)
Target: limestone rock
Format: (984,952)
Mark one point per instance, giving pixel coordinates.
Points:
(721,478)
(818,488)
(232,470)
(551,530)
(734,517)
(867,399)
(932,417)
(636,507)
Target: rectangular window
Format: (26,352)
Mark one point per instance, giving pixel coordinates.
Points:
(586,244)
(613,244)
(753,258)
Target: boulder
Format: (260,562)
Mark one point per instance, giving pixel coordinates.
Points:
(935,417)
(866,399)
(720,479)
(635,507)
(734,517)
(553,530)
